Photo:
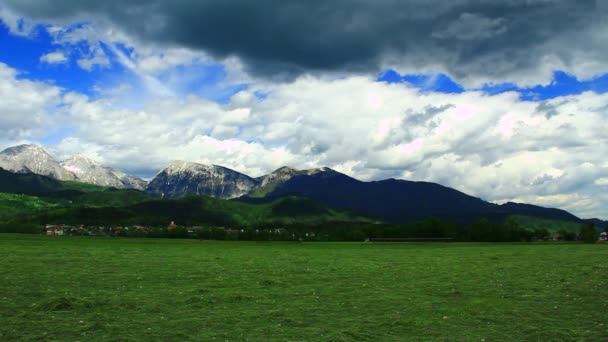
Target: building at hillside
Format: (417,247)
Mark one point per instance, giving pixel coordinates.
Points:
(54,230)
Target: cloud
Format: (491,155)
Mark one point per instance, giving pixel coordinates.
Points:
(521,41)
(495,147)
(56,57)
(96,58)
(471,26)
(25,107)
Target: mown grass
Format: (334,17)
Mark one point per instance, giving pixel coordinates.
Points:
(92,289)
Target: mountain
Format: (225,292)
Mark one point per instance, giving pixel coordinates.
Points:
(27,183)
(396,200)
(34,159)
(389,200)
(32,198)
(269,182)
(87,171)
(601,225)
(185,178)
(536,211)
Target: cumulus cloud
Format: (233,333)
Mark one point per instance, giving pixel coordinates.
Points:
(495,147)
(25,107)
(475,42)
(56,57)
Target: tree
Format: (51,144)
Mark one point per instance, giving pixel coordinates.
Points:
(512,230)
(588,233)
(481,230)
(566,235)
(541,234)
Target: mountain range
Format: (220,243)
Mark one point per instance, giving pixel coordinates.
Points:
(185,178)
(34,159)
(389,200)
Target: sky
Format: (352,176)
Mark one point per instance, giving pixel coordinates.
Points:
(506,101)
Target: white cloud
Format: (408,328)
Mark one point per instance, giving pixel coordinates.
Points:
(497,147)
(494,147)
(96,58)
(26,107)
(56,57)
(16,25)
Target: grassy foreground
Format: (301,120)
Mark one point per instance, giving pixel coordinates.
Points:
(91,289)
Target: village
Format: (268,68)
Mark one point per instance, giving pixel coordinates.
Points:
(173,230)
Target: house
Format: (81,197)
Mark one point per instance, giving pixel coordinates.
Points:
(172,225)
(54,230)
(604,236)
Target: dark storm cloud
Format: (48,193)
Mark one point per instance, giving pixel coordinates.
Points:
(487,39)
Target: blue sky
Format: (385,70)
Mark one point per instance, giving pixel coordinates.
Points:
(563,84)
(469,99)
(24,52)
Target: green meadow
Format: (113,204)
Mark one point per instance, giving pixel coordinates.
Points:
(102,289)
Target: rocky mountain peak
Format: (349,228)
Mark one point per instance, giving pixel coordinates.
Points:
(78,163)
(278,176)
(178,166)
(24,149)
(34,159)
(285,169)
(182,178)
(89,171)
(81,158)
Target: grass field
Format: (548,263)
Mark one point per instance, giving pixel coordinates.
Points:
(89,289)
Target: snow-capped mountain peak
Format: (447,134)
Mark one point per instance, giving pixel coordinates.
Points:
(89,171)
(33,158)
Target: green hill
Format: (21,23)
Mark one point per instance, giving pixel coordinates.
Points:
(13,205)
(553,226)
(194,210)
(82,187)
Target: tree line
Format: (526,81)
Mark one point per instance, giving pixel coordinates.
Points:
(483,230)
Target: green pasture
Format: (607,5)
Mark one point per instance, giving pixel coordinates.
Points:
(102,289)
